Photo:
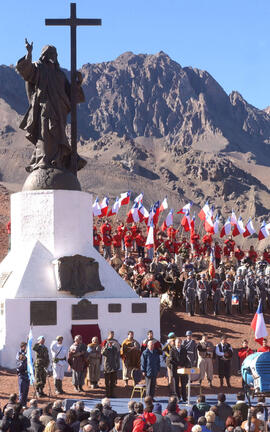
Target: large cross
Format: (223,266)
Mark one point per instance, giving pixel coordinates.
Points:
(73,22)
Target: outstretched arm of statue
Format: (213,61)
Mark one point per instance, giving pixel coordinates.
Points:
(29,49)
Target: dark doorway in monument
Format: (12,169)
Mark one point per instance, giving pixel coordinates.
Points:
(87,331)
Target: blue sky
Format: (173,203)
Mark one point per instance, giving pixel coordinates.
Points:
(228,38)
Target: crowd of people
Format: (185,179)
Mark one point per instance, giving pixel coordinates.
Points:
(140,416)
(193,272)
(140,361)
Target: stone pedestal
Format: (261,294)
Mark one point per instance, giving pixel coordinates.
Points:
(47,225)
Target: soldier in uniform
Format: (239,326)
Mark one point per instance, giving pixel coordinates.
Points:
(226,289)
(262,290)
(224,354)
(250,291)
(206,352)
(239,288)
(41,364)
(216,295)
(202,294)
(166,350)
(59,363)
(189,292)
(191,348)
(23,379)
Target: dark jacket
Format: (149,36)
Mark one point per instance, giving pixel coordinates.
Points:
(127,425)
(224,411)
(150,362)
(177,423)
(111,358)
(242,407)
(109,415)
(199,410)
(178,359)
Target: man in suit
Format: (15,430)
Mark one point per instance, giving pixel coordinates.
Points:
(179,359)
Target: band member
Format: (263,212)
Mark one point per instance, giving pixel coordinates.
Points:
(224,353)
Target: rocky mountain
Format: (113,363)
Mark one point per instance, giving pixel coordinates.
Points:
(150,124)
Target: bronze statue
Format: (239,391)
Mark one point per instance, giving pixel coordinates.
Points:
(48,91)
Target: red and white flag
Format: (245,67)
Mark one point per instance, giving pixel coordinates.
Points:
(115,208)
(164,205)
(168,221)
(139,198)
(96,208)
(185,222)
(226,229)
(143,212)
(204,211)
(238,227)
(258,325)
(150,237)
(124,198)
(264,231)
(133,214)
(209,224)
(104,207)
(186,209)
(249,229)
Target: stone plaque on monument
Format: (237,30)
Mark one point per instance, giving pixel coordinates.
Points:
(139,308)
(43,313)
(84,310)
(78,275)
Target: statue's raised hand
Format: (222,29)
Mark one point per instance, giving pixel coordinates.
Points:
(28,46)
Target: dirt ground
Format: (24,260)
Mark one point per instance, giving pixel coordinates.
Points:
(237,327)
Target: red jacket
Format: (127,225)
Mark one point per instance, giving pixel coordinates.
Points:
(140,240)
(243,353)
(134,229)
(128,240)
(121,229)
(116,240)
(140,422)
(96,239)
(169,246)
(105,228)
(171,232)
(218,251)
(107,239)
(266,256)
(226,251)
(263,349)
(239,254)
(207,239)
(252,255)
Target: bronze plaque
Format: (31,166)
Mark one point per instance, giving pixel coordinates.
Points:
(114,307)
(85,310)
(139,308)
(43,313)
(78,275)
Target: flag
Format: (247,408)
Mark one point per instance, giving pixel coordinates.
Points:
(30,365)
(186,209)
(209,224)
(258,325)
(164,205)
(133,214)
(264,231)
(226,229)
(233,218)
(238,227)
(156,212)
(115,208)
(185,222)
(150,236)
(139,198)
(104,207)
(143,212)
(204,211)
(249,229)
(124,198)
(216,225)
(212,268)
(168,221)
(192,223)
(96,208)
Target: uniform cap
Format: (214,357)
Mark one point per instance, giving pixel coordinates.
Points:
(189,333)
(171,335)
(40,337)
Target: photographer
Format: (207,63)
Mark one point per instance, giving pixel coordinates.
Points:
(111,366)
(23,379)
